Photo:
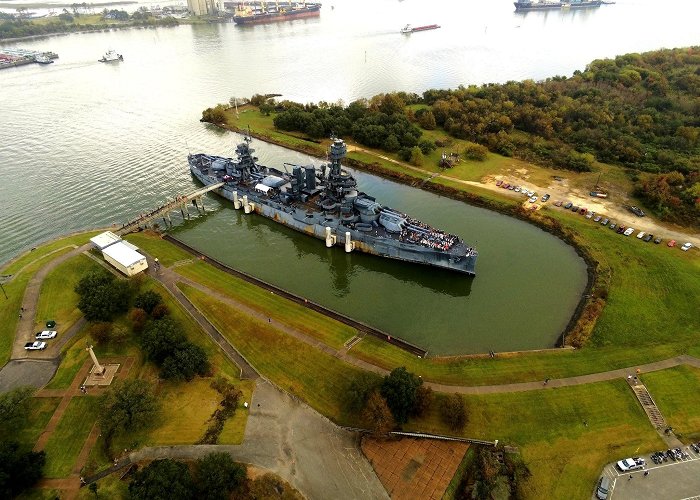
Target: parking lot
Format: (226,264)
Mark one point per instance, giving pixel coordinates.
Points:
(679,480)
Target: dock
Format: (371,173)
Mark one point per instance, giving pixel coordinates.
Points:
(10,58)
(180,203)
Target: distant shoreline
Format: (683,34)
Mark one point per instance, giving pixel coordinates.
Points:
(44,5)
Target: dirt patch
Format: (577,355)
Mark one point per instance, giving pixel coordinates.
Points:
(414,468)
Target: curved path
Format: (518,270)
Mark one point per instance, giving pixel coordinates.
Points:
(170,279)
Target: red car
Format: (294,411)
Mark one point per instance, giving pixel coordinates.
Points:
(583,211)
(505,185)
(558,203)
(672,243)
(499,182)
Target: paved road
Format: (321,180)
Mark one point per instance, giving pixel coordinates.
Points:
(292,440)
(35,373)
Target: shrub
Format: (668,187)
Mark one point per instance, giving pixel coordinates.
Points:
(453,412)
(475,152)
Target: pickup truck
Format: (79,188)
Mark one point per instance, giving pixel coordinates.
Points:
(35,346)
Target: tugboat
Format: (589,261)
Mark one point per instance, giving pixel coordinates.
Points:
(409,29)
(42,59)
(327,205)
(110,56)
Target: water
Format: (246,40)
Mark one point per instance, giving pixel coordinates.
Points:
(84,144)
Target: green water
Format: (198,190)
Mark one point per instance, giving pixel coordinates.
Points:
(527,285)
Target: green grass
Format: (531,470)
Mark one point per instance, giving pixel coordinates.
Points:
(270,305)
(234,428)
(317,378)
(676,394)
(74,356)
(549,427)
(27,433)
(65,443)
(58,300)
(166,252)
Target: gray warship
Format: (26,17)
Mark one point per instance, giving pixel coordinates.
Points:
(326,204)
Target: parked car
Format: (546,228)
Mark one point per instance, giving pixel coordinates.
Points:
(505,185)
(546,197)
(628,231)
(597,218)
(557,203)
(590,215)
(605,222)
(641,234)
(575,208)
(603,488)
(517,189)
(35,346)
(637,211)
(620,229)
(532,199)
(46,334)
(568,205)
(511,187)
(612,225)
(583,210)
(499,182)
(658,240)
(672,243)
(686,246)
(633,463)
(648,238)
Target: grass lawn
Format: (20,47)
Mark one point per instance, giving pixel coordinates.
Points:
(234,428)
(317,378)
(23,269)
(41,494)
(166,252)
(676,394)
(58,300)
(28,432)
(565,435)
(65,444)
(305,320)
(107,488)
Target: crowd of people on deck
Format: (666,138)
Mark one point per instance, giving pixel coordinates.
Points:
(421,233)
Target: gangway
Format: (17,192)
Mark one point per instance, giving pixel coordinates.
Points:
(163,211)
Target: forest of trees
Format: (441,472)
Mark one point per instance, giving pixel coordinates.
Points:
(637,111)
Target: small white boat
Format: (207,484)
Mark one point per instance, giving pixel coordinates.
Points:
(42,59)
(110,56)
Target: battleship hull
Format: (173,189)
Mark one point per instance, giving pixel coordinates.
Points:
(316,224)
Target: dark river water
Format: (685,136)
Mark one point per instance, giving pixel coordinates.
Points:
(84,144)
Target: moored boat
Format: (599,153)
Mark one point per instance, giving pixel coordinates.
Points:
(326,204)
(410,29)
(257,12)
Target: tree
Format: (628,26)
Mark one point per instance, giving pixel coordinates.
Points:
(102,296)
(163,480)
(416,156)
(453,411)
(161,339)
(100,332)
(424,399)
(426,119)
(187,361)
(217,476)
(14,406)
(138,318)
(119,334)
(399,390)
(19,469)
(359,390)
(128,405)
(148,300)
(474,151)
(377,415)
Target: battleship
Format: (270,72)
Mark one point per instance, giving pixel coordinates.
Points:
(326,204)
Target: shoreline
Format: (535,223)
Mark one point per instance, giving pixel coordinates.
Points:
(574,334)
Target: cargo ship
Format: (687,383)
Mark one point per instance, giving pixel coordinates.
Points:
(326,204)
(546,4)
(257,12)
(409,29)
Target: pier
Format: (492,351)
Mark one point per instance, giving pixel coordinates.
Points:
(180,203)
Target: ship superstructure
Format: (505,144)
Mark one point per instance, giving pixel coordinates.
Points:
(326,204)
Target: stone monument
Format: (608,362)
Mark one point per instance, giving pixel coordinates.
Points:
(100,374)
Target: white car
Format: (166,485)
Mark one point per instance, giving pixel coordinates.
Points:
(641,234)
(46,334)
(686,247)
(35,346)
(631,464)
(532,199)
(628,231)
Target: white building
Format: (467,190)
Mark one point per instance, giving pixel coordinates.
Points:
(103,240)
(125,258)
